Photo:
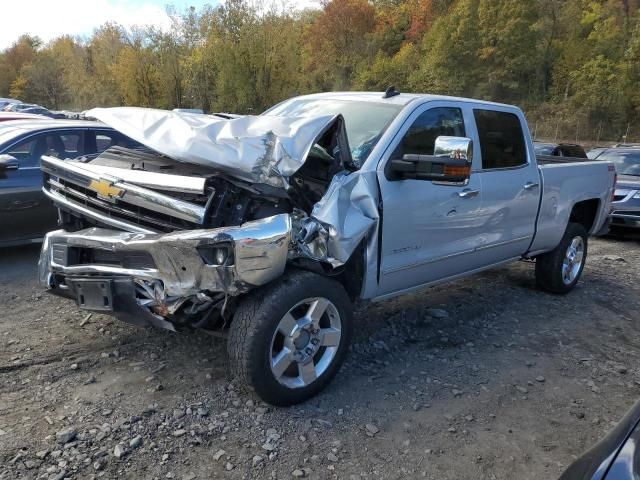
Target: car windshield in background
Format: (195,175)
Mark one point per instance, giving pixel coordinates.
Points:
(543,149)
(626,162)
(365,122)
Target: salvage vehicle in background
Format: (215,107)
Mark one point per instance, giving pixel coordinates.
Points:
(43,111)
(7,101)
(26,214)
(18,107)
(6,116)
(615,457)
(626,200)
(570,150)
(274,224)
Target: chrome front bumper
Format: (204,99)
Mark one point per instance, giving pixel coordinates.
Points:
(171,268)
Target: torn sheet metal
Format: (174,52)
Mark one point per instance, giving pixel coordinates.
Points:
(341,219)
(258,149)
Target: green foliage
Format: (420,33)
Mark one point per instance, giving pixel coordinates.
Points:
(574,65)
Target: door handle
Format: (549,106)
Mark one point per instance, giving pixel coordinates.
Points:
(468,193)
(531,185)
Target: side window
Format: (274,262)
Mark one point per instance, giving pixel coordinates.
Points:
(72,143)
(24,153)
(60,145)
(501,139)
(421,137)
(64,145)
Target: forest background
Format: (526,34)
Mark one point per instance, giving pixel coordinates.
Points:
(572,65)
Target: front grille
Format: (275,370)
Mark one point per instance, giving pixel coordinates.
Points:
(617,198)
(119,209)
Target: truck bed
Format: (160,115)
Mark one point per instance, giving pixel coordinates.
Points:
(565,182)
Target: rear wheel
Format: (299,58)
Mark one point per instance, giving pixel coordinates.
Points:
(288,340)
(559,270)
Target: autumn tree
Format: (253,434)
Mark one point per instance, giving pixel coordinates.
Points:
(136,71)
(336,42)
(13,59)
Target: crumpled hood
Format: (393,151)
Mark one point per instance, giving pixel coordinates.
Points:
(258,149)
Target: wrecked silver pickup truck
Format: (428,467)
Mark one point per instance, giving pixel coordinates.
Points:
(272,225)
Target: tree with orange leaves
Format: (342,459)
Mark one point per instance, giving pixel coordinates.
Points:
(337,41)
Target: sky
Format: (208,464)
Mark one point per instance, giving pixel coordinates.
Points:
(51,18)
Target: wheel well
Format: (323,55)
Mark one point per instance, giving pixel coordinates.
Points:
(585,213)
(350,275)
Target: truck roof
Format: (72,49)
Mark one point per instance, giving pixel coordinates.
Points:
(400,99)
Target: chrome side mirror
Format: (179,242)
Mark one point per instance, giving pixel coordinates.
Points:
(459,148)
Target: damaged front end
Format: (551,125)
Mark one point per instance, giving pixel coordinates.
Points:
(164,280)
(172,239)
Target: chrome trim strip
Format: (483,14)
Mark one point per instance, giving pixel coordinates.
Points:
(625,215)
(103,204)
(163,181)
(133,194)
(99,217)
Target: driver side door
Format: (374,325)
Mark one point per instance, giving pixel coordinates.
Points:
(430,230)
(26,214)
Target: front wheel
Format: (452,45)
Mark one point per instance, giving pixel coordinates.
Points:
(288,339)
(559,270)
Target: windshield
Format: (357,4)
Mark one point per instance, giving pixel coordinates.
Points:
(626,162)
(365,122)
(543,148)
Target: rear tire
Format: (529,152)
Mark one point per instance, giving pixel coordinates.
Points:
(288,339)
(559,270)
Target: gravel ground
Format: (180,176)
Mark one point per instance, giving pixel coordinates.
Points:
(484,378)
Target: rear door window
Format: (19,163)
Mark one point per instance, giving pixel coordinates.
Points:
(502,142)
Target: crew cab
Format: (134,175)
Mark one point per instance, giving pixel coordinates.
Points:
(272,225)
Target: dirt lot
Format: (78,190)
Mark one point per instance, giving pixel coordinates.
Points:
(485,378)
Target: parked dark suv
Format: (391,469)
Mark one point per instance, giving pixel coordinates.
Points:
(559,150)
(25,212)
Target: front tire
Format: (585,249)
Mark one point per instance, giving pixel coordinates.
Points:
(559,270)
(288,339)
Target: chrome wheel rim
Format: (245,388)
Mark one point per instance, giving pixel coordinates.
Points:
(305,342)
(572,262)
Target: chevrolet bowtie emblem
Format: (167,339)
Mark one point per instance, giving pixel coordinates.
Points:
(106,190)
